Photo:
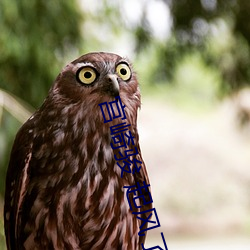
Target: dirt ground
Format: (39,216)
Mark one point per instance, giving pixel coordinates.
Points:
(198,165)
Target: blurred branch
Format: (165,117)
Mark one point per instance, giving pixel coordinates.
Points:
(14,107)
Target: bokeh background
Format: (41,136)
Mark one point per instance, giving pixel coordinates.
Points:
(193,63)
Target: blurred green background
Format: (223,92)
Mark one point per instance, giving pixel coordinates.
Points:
(192,60)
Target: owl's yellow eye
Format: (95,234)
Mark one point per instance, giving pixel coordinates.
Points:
(123,71)
(86,75)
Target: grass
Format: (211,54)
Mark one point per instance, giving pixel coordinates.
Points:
(2,237)
(194,87)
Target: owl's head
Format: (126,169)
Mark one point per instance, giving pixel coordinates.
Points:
(98,77)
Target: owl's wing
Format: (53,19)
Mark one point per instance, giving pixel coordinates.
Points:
(16,182)
(141,177)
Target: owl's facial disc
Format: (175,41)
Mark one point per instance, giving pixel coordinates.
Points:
(113,81)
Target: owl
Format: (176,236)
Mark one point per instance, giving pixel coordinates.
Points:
(65,180)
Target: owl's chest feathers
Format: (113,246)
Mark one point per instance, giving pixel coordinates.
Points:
(77,171)
(79,190)
(74,146)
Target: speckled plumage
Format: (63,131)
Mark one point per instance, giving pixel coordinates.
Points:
(63,188)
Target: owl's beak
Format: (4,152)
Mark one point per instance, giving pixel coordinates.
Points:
(113,81)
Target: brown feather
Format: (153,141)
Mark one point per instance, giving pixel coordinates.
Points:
(63,188)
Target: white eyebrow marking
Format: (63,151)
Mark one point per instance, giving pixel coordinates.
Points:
(75,67)
(82,64)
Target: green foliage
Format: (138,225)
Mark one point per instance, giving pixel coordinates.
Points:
(218,30)
(197,24)
(193,85)
(34,37)
(8,130)
(2,237)
(231,56)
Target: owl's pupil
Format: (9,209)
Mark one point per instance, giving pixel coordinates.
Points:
(123,71)
(87,75)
